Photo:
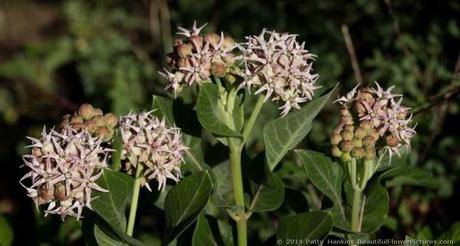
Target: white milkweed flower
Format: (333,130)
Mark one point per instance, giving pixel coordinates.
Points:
(62,169)
(147,141)
(196,57)
(278,65)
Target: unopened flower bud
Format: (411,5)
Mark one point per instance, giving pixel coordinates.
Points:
(368,141)
(366,125)
(392,140)
(98,112)
(184,50)
(110,119)
(228,42)
(212,38)
(357,153)
(45,194)
(218,69)
(336,138)
(357,142)
(59,192)
(86,111)
(360,132)
(76,119)
(347,134)
(345,157)
(36,152)
(369,154)
(346,146)
(336,151)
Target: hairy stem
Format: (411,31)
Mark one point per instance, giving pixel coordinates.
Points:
(238,192)
(134,201)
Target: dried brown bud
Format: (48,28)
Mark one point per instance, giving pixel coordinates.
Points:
(360,132)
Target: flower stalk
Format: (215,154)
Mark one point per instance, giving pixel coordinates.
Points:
(134,201)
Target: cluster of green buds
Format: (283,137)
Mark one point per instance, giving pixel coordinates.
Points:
(94,120)
(370,118)
(196,57)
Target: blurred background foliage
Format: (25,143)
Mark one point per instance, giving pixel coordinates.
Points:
(56,55)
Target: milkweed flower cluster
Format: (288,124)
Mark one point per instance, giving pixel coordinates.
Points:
(147,141)
(62,169)
(196,57)
(382,120)
(280,67)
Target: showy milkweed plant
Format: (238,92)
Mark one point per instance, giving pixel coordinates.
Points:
(92,166)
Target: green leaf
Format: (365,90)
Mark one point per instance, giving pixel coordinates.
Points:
(406,175)
(306,226)
(270,195)
(222,185)
(185,201)
(211,112)
(194,157)
(376,207)
(111,205)
(6,232)
(104,239)
(116,156)
(327,177)
(283,134)
(202,234)
(163,108)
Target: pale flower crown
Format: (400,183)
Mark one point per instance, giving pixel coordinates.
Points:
(278,65)
(147,141)
(63,168)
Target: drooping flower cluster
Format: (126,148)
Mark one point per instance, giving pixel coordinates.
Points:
(147,141)
(382,120)
(62,169)
(278,65)
(93,120)
(196,57)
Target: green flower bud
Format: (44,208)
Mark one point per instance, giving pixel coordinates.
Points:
(346,157)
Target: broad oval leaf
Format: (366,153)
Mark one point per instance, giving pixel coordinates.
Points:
(163,108)
(210,113)
(405,175)
(104,239)
(305,227)
(202,235)
(6,232)
(111,205)
(376,207)
(283,134)
(185,201)
(327,177)
(270,195)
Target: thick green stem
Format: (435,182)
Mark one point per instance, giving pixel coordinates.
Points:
(238,192)
(355,211)
(252,119)
(134,201)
